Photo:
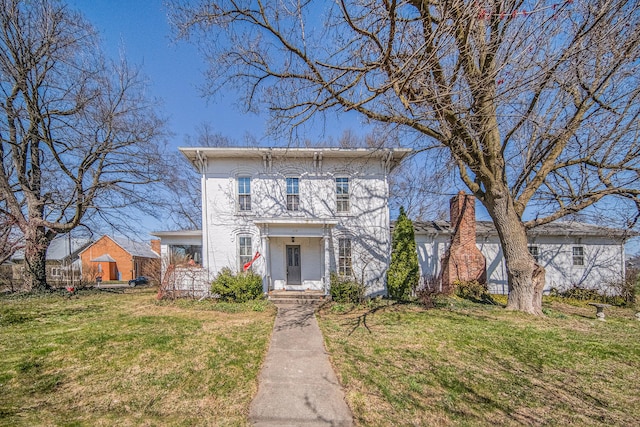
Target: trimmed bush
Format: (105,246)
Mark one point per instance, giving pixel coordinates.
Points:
(240,287)
(346,290)
(473,291)
(585,294)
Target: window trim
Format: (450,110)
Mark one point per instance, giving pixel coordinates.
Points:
(536,255)
(345,260)
(243,197)
(343,198)
(578,259)
(293,198)
(243,259)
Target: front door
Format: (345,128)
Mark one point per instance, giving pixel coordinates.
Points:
(293,265)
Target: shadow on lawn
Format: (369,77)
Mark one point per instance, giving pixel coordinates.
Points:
(361,319)
(456,304)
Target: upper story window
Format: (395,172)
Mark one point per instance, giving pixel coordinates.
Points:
(344,257)
(535,253)
(578,256)
(293,194)
(342,194)
(244,193)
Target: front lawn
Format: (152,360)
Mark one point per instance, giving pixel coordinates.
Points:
(126,359)
(466,364)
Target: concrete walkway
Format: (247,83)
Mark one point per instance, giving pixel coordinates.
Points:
(297,385)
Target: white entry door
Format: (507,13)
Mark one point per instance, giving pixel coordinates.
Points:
(293,265)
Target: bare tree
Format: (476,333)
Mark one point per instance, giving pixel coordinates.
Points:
(417,184)
(10,237)
(422,185)
(536,103)
(77,134)
(183,195)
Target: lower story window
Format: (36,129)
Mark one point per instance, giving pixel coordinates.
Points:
(244,250)
(185,254)
(344,257)
(578,256)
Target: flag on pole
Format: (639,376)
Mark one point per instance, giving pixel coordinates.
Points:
(247,265)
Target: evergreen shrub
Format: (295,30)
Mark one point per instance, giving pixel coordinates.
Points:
(404,273)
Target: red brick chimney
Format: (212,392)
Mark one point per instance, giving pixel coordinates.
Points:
(463,260)
(155,246)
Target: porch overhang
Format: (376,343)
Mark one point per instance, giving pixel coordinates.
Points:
(104,258)
(294,227)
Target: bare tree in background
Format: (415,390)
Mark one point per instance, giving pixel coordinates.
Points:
(536,103)
(78,137)
(182,181)
(422,185)
(419,184)
(10,237)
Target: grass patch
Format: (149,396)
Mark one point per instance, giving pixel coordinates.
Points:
(480,365)
(126,359)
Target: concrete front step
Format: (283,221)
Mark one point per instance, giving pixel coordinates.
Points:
(296,297)
(293,301)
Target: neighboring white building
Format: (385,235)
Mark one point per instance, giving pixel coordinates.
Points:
(63,264)
(572,253)
(298,213)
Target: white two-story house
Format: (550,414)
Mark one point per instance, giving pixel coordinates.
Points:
(295,215)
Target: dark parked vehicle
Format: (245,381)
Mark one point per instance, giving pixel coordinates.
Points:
(138,281)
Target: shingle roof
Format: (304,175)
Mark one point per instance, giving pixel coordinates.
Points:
(59,248)
(559,228)
(136,249)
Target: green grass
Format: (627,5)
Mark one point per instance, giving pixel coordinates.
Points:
(127,359)
(467,364)
(105,358)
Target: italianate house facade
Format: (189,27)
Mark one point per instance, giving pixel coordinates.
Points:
(292,215)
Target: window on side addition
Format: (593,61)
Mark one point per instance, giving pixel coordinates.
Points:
(342,194)
(578,256)
(293,194)
(344,257)
(244,193)
(535,253)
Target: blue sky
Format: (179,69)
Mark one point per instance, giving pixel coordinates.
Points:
(139,30)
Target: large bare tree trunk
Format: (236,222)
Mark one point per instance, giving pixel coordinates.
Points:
(524,275)
(77,132)
(35,256)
